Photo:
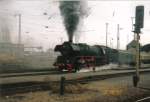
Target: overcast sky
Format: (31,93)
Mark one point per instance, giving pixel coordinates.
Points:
(42,23)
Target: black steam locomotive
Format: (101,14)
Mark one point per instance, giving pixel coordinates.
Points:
(75,56)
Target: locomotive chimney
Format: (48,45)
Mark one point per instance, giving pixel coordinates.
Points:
(70,39)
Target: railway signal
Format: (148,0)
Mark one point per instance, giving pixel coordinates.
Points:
(139,22)
(139,17)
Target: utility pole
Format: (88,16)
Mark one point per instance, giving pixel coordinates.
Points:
(132,19)
(19,34)
(19,30)
(139,22)
(106,33)
(118,43)
(111,42)
(118,38)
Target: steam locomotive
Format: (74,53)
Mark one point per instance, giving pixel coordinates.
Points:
(75,56)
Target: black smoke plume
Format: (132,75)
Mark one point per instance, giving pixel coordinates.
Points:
(71,12)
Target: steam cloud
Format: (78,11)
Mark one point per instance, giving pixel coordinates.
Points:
(71,12)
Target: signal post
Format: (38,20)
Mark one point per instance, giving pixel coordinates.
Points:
(137,30)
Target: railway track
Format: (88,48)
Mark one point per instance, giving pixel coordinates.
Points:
(146,99)
(54,71)
(31,73)
(24,87)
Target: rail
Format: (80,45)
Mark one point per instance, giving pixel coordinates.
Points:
(7,89)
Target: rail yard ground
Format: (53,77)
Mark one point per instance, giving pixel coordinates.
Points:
(119,89)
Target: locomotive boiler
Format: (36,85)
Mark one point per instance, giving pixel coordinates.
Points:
(75,56)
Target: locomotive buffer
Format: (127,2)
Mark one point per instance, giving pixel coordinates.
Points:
(137,30)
